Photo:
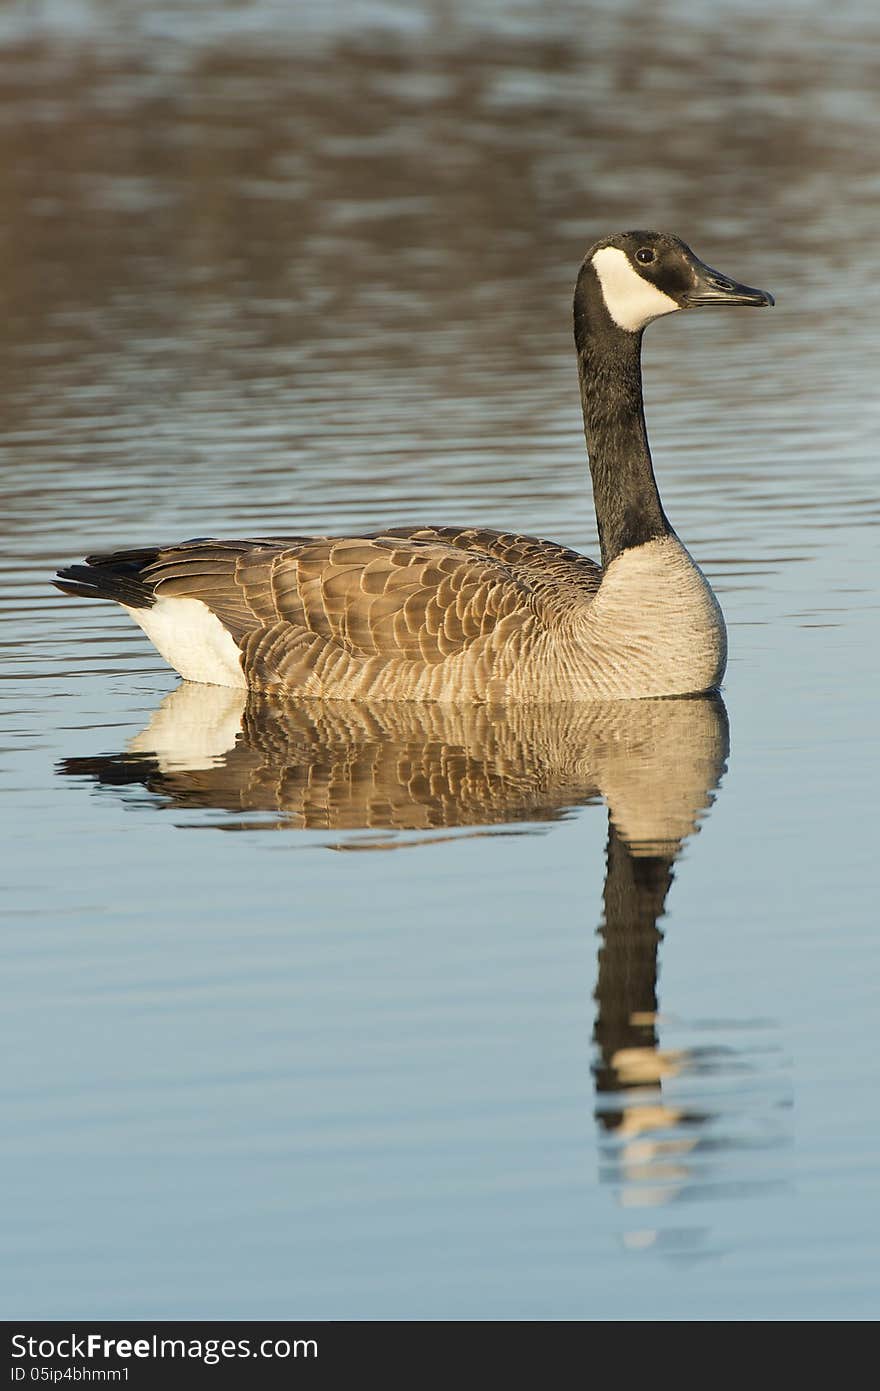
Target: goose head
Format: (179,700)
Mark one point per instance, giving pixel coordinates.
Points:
(634,277)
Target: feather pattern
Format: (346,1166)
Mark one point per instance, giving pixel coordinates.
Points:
(432,613)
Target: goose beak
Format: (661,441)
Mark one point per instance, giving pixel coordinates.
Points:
(711,287)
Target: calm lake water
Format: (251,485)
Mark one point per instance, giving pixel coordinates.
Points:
(483,1014)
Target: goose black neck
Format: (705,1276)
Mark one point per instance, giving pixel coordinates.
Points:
(628,507)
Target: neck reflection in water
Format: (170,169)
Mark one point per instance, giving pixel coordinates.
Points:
(338,766)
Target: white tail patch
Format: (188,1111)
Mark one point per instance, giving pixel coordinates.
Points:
(631,301)
(192,640)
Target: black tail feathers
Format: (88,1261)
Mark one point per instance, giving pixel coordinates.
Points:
(110,579)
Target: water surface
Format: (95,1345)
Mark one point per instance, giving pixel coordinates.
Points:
(480,1014)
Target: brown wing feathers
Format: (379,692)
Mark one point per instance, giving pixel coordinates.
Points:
(382,597)
(317,609)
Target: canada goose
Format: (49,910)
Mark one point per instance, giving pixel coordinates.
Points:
(461,613)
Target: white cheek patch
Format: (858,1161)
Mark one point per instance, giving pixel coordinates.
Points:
(631,301)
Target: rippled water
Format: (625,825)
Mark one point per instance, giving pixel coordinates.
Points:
(541,1052)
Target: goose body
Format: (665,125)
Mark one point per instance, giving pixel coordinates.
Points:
(464,613)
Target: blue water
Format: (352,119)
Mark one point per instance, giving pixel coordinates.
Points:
(326,1016)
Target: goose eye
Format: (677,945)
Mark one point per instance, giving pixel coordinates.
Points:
(645,255)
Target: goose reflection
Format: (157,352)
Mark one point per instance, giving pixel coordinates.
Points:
(347,766)
(336,766)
